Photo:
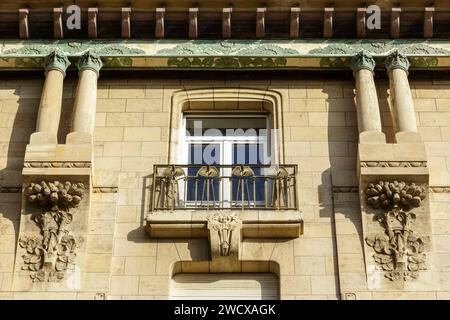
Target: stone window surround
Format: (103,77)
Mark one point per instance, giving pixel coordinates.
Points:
(270,98)
(192,223)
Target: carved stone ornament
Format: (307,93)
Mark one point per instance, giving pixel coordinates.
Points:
(362,60)
(399,250)
(90,60)
(56,60)
(393,164)
(224,225)
(396,60)
(53,252)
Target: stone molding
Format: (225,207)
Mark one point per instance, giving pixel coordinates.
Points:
(57,164)
(362,60)
(355,189)
(272,98)
(56,60)
(440,189)
(90,61)
(352,189)
(396,60)
(105,189)
(393,164)
(10,189)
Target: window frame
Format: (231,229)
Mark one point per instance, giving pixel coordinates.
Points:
(226,147)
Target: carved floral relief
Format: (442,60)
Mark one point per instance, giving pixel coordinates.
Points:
(53,251)
(400,250)
(224,224)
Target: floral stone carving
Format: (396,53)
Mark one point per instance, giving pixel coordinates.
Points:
(399,250)
(224,224)
(53,252)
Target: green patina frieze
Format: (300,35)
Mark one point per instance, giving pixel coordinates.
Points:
(226,62)
(227,48)
(379,48)
(226,54)
(101,48)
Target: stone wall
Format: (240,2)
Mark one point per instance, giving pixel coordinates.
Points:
(132,134)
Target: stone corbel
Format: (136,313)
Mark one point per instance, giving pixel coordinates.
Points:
(224,233)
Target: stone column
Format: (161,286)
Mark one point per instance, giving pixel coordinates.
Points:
(83,124)
(401,99)
(368,111)
(49,112)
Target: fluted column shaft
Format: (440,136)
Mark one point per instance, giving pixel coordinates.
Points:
(49,113)
(85,103)
(397,66)
(368,111)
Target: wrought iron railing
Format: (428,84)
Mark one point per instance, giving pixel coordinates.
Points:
(213,187)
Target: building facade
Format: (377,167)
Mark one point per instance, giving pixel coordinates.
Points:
(202,151)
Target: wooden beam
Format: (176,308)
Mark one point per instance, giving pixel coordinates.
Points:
(260,22)
(58,32)
(226,22)
(361,22)
(193,19)
(428,22)
(92,22)
(295,23)
(395,22)
(126,23)
(23,24)
(328,22)
(159,27)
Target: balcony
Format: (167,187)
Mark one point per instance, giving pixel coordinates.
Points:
(264,197)
(231,187)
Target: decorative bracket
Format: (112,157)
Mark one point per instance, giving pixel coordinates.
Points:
(225,237)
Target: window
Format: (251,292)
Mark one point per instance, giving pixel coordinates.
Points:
(234,150)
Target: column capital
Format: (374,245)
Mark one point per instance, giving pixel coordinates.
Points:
(396,60)
(90,60)
(362,60)
(56,60)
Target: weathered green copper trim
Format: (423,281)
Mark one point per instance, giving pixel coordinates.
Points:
(91,61)
(56,60)
(396,60)
(362,60)
(227,54)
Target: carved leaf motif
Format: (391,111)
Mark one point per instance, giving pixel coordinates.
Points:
(397,243)
(56,199)
(60,266)
(388,194)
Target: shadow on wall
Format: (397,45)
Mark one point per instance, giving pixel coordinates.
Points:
(19,106)
(337,190)
(139,234)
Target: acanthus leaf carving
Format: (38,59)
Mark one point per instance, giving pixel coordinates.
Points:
(400,251)
(53,251)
